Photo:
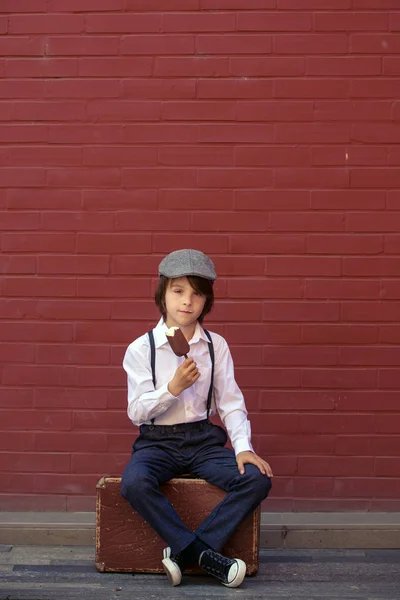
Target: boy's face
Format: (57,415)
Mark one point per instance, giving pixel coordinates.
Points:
(184,305)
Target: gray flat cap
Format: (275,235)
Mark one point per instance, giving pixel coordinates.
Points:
(187,262)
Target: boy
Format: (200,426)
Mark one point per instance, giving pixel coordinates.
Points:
(171,402)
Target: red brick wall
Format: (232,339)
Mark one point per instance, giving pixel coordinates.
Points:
(264,132)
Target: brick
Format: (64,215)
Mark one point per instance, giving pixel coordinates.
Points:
(32,420)
(373,5)
(339,378)
(390,289)
(196,156)
(366,88)
(372,400)
(312,133)
(238,265)
(30,286)
(274,21)
(120,199)
(328,288)
(17,353)
(121,111)
(81,503)
(387,467)
(299,356)
(82,88)
(22,67)
(370,311)
(297,445)
(159,5)
(301,311)
(158,177)
(392,201)
(267,244)
(218,199)
(74,265)
(132,265)
(347,66)
(84,134)
(128,309)
(159,88)
(307,221)
(339,334)
(273,110)
(22,177)
(351,21)
(375,178)
(64,483)
(196,66)
(77,221)
(70,397)
(242,132)
(48,111)
(115,66)
(376,134)
(348,199)
(118,156)
(391,65)
(18,264)
(355,110)
(123,23)
(117,243)
(102,376)
(372,221)
(212,243)
(17,308)
(389,334)
(393,157)
(369,356)
(199,22)
(365,488)
(20,46)
(331,505)
(157,45)
(269,423)
(160,132)
(374,43)
(6,108)
(310,43)
(234,88)
(233,44)
(85,45)
(271,155)
(38,242)
(311,88)
(246,355)
(44,156)
(337,466)
(225,221)
(269,378)
(112,287)
(232,4)
(388,378)
(101,420)
(234,311)
(157,221)
(19,220)
(16,441)
(18,6)
(33,462)
(33,502)
(235,178)
(272,199)
(344,244)
(199,111)
(305,266)
(267,66)
(98,463)
(392,244)
(376,266)
(45,24)
(17,482)
(262,332)
(85,5)
(293,400)
(264,288)
(16,398)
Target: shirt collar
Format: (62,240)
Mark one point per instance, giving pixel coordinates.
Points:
(160,338)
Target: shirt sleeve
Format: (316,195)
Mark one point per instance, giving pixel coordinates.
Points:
(144,402)
(229,399)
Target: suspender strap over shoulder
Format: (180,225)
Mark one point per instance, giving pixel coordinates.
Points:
(212,356)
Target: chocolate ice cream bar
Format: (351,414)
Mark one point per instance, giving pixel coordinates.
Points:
(177,341)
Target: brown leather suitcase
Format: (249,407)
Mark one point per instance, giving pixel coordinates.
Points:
(126,543)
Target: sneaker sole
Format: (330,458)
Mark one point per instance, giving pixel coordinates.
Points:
(240,575)
(172,571)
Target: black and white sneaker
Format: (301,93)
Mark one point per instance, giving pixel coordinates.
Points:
(171,567)
(230,571)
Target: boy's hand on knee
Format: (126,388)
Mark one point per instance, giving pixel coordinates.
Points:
(248,457)
(185,376)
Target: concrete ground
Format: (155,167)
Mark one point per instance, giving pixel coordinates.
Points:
(68,573)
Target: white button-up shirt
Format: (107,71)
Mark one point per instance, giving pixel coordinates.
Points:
(146,403)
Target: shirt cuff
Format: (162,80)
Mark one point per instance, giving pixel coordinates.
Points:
(242,446)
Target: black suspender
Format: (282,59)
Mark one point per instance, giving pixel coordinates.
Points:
(212,356)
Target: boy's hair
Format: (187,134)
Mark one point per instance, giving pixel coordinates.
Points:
(199,284)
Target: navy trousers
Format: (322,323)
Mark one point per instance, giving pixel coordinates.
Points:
(165,451)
